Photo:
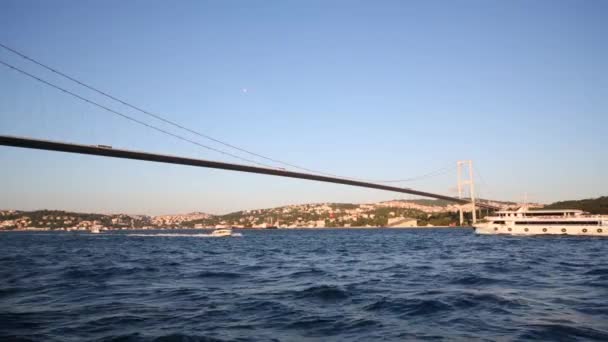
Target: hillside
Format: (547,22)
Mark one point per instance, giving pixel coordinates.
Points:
(592,205)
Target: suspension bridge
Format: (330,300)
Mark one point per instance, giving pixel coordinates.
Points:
(262,168)
(108,151)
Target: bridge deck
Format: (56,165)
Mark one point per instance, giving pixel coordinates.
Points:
(107,151)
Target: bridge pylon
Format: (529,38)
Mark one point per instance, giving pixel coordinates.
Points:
(466,182)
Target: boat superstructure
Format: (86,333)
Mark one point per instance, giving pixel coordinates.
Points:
(544,222)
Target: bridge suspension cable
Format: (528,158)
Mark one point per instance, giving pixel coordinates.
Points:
(436,173)
(146,112)
(125,116)
(182,127)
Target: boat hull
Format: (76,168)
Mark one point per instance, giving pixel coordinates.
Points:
(221,234)
(224,233)
(577,230)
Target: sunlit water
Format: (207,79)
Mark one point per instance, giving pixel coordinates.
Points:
(302,285)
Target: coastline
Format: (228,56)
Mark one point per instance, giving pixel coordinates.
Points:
(210,229)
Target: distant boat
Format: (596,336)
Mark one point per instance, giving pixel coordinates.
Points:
(95,230)
(222,232)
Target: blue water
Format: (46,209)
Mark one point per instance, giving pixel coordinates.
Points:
(302,285)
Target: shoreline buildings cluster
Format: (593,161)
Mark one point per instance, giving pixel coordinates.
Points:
(397,213)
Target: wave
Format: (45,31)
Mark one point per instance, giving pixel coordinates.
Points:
(223,275)
(492,302)
(324,293)
(308,323)
(251,268)
(183,235)
(561,332)
(597,271)
(137,337)
(183,338)
(9,291)
(475,280)
(171,235)
(409,307)
(313,272)
(105,272)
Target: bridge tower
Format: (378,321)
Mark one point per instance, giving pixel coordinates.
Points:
(463,182)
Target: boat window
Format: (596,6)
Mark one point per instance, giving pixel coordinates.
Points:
(557,222)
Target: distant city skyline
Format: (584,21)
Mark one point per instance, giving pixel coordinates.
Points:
(376,90)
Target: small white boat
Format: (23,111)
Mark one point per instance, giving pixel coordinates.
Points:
(222,232)
(95,230)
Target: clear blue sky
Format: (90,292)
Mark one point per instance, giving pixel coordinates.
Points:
(371,89)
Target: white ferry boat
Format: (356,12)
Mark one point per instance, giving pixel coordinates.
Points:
(544,222)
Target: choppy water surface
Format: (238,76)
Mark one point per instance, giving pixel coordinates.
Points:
(316,285)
